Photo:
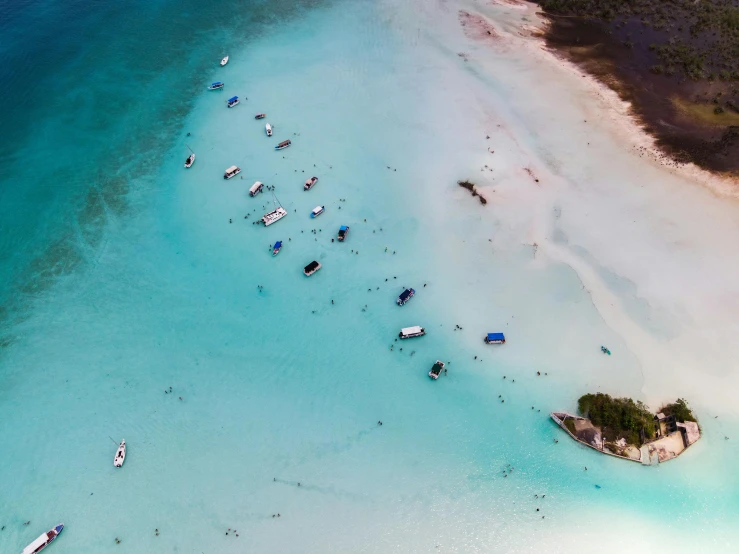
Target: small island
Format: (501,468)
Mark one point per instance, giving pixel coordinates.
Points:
(627,429)
(465,184)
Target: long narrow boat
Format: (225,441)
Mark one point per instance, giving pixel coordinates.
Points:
(260,116)
(44,540)
(216,86)
(283,144)
(120,454)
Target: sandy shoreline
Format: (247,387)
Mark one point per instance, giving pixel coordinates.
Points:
(622,119)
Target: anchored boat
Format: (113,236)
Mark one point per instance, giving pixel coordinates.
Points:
(120,454)
(231,102)
(216,86)
(231,172)
(268,129)
(406,295)
(311,268)
(224,61)
(275,215)
(309,183)
(260,116)
(44,540)
(410,332)
(343,232)
(284,144)
(277,247)
(190,159)
(318,210)
(495,338)
(436,370)
(256,188)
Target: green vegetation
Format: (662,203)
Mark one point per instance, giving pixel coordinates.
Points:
(680,410)
(618,418)
(698,40)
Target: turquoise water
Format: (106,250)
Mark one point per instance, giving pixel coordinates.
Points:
(123,276)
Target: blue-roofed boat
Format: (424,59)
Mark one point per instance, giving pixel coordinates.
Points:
(495,338)
(44,540)
(343,231)
(232,101)
(276,248)
(318,210)
(283,144)
(216,86)
(406,295)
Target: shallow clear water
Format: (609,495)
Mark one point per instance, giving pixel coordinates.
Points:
(150,286)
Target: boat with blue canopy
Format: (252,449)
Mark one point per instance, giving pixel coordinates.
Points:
(343,231)
(216,86)
(276,248)
(231,102)
(495,338)
(318,210)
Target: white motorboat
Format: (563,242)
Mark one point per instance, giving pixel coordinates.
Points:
(231,172)
(44,540)
(120,454)
(309,183)
(268,128)
(318,210)
(190,159)
(224,61)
